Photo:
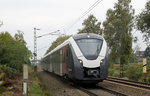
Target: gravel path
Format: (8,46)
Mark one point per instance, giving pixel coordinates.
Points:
(58,87)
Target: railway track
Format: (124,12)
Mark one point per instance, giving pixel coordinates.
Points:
(114,92)
(107,88)
(85,90)
(90,90)
(129,82)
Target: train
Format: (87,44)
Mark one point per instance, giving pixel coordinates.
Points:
(82,58)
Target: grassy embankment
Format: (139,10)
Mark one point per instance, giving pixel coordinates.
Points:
(36,88)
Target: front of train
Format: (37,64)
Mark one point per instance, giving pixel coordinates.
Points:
(90,58)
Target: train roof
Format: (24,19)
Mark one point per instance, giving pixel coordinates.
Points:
(87,35)
(76,37)
(58,47)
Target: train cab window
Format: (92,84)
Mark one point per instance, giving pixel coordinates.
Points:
(90,48)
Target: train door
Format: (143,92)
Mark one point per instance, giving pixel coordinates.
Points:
(63,61)
(60,62)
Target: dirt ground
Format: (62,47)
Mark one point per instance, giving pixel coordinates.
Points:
(13,86)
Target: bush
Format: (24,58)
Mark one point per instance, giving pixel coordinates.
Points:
(111,71)
(114,71)
(134,71)
(10,72)
(148,78)
(116,74)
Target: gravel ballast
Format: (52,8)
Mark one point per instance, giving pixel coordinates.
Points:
(129,90)
(58,87)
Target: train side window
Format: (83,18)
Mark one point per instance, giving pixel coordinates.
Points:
(68,51)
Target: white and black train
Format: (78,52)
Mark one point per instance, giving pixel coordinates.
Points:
(82,58)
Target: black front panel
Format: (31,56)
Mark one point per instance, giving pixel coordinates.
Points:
(91,72)
(82,73)
(104,67)
(69,62)
(77,67)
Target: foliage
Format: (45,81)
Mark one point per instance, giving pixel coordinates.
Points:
(133,59)
(1,75)
(13,51)
(10,72)
(111,71)
(37,88)
(148,60)
(58,41)
(148,69)
(143,22)
(2,89)
(6,47)
(148,64)
(91,25)
(147,52)
(114,71)
(117,30)
(134,71)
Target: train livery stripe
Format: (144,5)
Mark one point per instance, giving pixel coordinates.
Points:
(60,63)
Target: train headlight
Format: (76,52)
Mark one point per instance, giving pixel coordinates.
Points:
(80,61)
(102,61)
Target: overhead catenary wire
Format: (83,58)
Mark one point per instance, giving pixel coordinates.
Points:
(90,8)
(85,13)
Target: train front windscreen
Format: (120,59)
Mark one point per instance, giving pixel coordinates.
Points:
(90,48)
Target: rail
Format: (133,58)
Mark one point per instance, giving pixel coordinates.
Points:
(129,82)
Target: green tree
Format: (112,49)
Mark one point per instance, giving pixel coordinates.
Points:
(143,22)
(91,25)
(22,52)
(147,52)
(58,41)
(117,30)
(13,50)
(1,23)
(6,47)
(19,38)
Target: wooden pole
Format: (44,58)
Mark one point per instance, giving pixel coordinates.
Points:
(144,68)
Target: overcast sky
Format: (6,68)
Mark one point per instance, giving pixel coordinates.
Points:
(52,15)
